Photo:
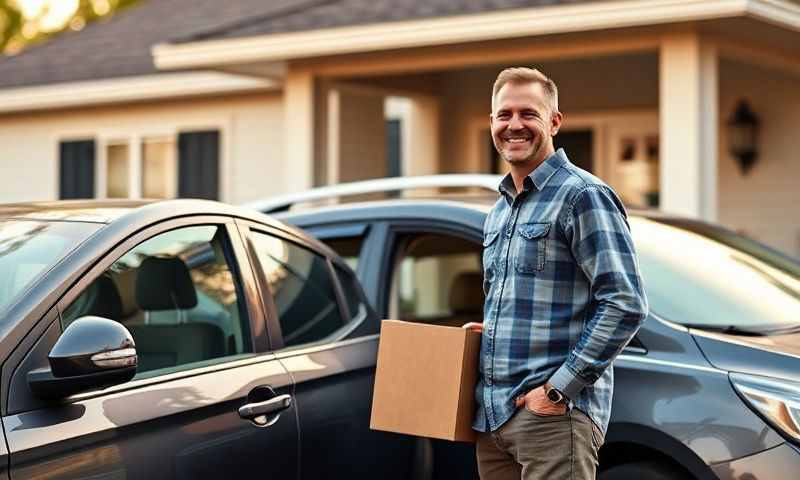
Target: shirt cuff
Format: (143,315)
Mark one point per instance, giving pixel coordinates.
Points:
(567,382)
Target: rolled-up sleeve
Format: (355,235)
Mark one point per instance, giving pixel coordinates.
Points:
(597,231)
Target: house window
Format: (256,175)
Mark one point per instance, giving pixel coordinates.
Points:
(76,169)
(198,164)
(117,170)
(159,169)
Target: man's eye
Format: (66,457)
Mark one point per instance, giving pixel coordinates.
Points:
(503,116)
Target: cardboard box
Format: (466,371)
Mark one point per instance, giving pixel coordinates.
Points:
(425,380)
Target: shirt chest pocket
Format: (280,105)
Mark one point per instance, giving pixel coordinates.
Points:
(531,250)
(489,246)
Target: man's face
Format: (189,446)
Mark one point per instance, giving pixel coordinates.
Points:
(523,124)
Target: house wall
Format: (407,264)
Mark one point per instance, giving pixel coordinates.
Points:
(251,132)
(763,203)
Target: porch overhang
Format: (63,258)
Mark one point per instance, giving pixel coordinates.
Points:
(266,54)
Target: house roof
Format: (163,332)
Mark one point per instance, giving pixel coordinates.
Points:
(120,46)
(340,13)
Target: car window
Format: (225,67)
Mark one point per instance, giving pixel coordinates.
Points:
(353,295)
(436,279)
(348,248)
(301,285)
(177,295)
(701,277)
(28,249)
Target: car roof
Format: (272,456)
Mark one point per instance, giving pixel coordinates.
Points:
(125,211)
(95,211)
(483,182)
(443,208)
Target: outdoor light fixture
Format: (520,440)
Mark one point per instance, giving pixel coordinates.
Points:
(743,136)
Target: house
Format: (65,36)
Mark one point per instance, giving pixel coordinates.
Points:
(687,105)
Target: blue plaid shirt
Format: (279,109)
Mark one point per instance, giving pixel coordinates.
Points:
(563,292)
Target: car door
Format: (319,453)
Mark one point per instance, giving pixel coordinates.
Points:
(328,342)
(185,291)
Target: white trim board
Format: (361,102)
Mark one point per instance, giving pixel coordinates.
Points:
(128,89)
(466,28)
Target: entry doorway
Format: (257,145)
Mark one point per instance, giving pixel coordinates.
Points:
(578,145)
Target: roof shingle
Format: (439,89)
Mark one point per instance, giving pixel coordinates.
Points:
(120,46)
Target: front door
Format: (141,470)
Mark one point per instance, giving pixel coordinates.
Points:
(578,145)
(180,292)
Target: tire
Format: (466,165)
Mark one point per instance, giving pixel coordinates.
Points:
(644,471)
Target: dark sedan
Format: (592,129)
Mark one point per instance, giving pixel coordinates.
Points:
(182,339)
(709,388)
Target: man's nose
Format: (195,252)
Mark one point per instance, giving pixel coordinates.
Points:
(514,123)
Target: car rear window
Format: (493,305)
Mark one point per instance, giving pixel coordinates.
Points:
(28,249)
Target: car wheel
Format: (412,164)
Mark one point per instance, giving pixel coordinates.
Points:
(644,471)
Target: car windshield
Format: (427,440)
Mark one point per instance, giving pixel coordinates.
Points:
(704,276)
(28,249)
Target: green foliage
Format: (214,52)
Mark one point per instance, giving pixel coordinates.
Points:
(12,21)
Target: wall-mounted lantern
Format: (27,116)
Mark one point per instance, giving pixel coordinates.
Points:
(743,136)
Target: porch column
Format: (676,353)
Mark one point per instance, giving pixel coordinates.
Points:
(422,141)
(356,144)
(688,109)
(298,111)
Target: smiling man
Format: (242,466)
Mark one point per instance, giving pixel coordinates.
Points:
(563,297)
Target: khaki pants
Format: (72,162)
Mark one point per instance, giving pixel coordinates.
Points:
(534,447)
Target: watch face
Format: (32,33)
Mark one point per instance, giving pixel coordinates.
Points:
(554,395)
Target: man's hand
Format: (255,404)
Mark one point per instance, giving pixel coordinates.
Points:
(474,326)
(537,402)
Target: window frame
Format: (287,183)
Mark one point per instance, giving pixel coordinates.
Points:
(399,229)
(274,330)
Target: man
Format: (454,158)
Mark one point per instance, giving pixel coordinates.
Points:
(563,297)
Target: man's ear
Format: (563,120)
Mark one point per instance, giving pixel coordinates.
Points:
(555,123)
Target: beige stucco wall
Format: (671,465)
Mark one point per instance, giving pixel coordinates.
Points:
(252,142)
(763,203)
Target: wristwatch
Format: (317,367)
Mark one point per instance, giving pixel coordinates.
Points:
(554,395)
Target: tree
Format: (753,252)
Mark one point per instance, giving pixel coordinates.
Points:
(18,31)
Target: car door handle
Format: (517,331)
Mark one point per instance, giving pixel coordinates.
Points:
(273,405)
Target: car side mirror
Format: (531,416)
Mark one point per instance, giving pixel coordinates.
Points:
(92,353)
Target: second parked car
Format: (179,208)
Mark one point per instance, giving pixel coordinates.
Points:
(710,386)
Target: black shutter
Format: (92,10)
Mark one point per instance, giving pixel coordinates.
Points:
(393,148)
(76,169)
(198,165)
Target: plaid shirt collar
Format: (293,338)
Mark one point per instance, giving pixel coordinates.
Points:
(538,178)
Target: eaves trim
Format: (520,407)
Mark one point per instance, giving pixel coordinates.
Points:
(128,89)
(464,28)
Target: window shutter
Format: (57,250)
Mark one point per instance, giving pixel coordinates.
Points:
(198,165)
(76,169)
(393,148)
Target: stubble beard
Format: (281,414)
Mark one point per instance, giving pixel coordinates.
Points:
(536,149)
